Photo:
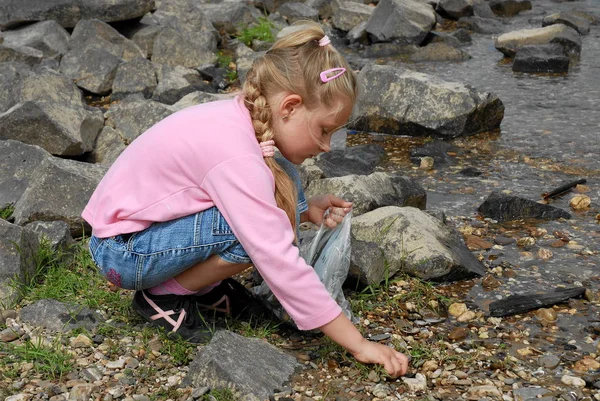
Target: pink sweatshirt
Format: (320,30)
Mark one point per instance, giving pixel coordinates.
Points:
(205,156)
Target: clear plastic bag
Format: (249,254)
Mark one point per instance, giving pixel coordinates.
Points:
(329,255)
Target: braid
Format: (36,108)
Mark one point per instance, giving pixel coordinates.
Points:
(260,112)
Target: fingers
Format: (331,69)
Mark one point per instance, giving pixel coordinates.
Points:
(339,202)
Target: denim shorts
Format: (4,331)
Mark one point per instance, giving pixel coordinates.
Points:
(149,257)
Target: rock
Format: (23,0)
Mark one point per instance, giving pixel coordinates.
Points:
(481,25)
(548,361)
(118,364)
(381,390)
(7,314)
(529,393)
(81,392)
(48,37)
(81,341)
(438,150)
(482,9)
(541,59)
(17,249)
(430,366)
(463,35)
(572,381)
(358,34)
(131,119)
(392,239)
(402,21)
(349,14)
(359,160)
(9,334)
(475,243)
(296,11)
(455,8)
(458,334)
(195,98)
(514,304)
(177,82)
(55,232)
(586,364)
(438,108)
(69,12)
(174,48)
(466,317)
(136,76)
(509,43)
(580,202)
(45,200)
(20,54)
(58,316)
(457,309)
(482,392)
(419,383)
(230,16)
(509,8)
(109,146)
(439,52)
(247,365)
(503,207)
(92,69)
(580,24)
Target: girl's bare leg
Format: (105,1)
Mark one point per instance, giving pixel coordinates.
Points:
(210,271)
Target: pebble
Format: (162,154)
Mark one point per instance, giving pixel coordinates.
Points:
(81,341)
(10,334)
(118,364)
(419,383)
(381,390)
(548,361)
(467,316)
(380,337)
(18,397)
(457,309)
(579,202)
(6,314)
(373,376)
(504,240)
(480,392)
(573,381)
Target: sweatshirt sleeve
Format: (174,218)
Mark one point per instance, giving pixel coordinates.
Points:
(242,189)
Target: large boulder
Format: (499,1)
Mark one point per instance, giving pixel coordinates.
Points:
(136,76)
(509,43)
(177,82)
(439,52)
(359,160)
(296,11)
(22,54)
(399,101)
(349,14)
(99,35)
(18,247)
(108,147)
(504,207)
(369,192)
(230,16)
(393,239)
(174,48)
(403,21)
(541,59)
(509,8)
(69,12)
(48,37)
(577,22)
(131,119)
(59,191)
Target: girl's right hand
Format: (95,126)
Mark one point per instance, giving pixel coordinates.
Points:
(394,362)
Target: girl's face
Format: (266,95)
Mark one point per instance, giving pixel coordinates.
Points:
(301,133)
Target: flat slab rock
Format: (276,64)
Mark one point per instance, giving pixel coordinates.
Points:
(59,316)
(249,366)
(503,207)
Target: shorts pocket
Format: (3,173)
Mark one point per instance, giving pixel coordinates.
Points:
(219,224)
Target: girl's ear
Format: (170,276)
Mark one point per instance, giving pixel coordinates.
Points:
(288,104)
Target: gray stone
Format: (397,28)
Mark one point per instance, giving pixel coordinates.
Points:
(69,12)
(440,52)
(21,54)
(131,119)
(55,232)
(441,37)
(438,150)
(541,59)
(580,24)
(244,57)
(136,76)
(463,35)
(230,16)
(91,68)
(59,190)
(109,145)
(529,393)
(481,25)
(99,35)
(247,365)
(509,8)
(399,101)
(404,21)
(81,392)
(91,374)
(348,15)
(455,9)
(358,33)
(298,11)
(18,162)
(172,48)
(482,9)
(503,207)
(200,97)
(18,247)
(548,361)
(46,86)
(59,316)
(405,239)
(59,129)
(176,82)
(509,43)
(360,160)
(369,192)
(48,37)
(143,36)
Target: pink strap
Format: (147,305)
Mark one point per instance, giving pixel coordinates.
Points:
(226,310)
(165,314)
(339,72)
(268,148)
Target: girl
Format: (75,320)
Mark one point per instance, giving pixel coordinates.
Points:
(199,196)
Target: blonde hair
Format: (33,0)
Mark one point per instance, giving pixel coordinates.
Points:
(293,65)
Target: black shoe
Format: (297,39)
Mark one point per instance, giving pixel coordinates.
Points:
(179,315)
(232,299)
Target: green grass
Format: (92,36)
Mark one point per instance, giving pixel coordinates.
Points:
(7,211)
(226,61)
(50,361)
(221,394)
(260,30)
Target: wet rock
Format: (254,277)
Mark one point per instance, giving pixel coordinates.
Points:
(413,242)
(546,316)
(567,38)
(400,21)
(475,243)
(504,240)
(548,58)
(580,24)
(438,108)
(509,8)
(586,364)
(514,304)
(489,282)
(58,316)
(359,160)
(438,150)
(439,52)
(503,207)
(69,12)
(548,361)
(249,365)
(463,35)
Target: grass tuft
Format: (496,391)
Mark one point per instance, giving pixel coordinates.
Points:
(260,30)
(7,211)
(50,360)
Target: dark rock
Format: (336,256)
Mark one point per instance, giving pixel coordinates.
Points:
(439,52)
(470,172)
(504,240)
(360,160)
(20,54)
(541,59)
(515,304)
(229,16)
(377,50)
(296,11)
(455,8)
(246,365)
(463,35)
(348,15)
(438,150)
(482,9)
(509,8)
(441,37)
(580,24)
(61,317)
(503,207)
(481,25)
(136,76)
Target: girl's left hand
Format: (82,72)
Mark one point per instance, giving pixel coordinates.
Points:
(317,205)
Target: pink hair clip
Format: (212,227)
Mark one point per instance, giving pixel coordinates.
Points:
(324,41)
(325,78)
(268,148)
